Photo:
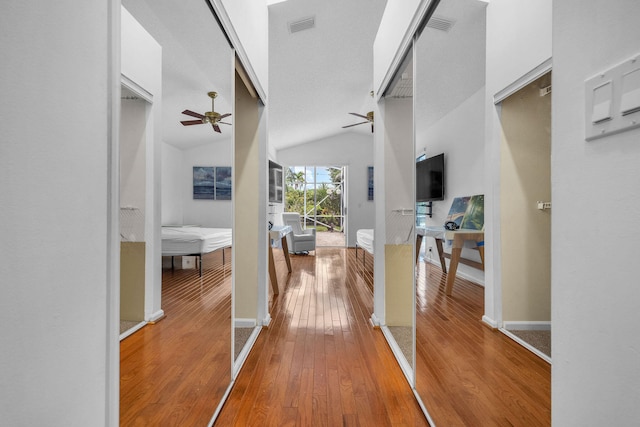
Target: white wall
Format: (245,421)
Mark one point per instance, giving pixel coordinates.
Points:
(172,184)
(206,213)
(353,150)
(518,41)
(55,88)
(464,165)
(596,199)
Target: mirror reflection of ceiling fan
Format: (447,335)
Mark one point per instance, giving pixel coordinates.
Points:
(368,117)
(208,117)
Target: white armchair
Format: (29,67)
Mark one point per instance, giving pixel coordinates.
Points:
(299,240)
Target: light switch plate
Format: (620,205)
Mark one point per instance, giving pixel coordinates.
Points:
(612,100)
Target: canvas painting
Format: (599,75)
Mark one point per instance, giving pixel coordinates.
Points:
(212,182)
(474,216)
(204,182)
(457,210)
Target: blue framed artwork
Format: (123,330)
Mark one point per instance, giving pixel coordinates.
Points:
(212,182)
(370,182)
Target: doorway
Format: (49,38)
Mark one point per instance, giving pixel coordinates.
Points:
(318,194)
(525,214)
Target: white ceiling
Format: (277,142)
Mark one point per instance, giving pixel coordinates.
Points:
(316,76)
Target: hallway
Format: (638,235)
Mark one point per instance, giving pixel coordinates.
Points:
(320,362)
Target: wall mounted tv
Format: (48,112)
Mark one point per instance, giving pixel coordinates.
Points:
(430,179)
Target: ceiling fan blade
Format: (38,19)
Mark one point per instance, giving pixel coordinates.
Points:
(225,115)
(193,114)
(360,115)
(348,126)
(216,127)
(191,122)
(224,123)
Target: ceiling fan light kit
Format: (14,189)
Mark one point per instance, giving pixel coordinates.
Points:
(209,117)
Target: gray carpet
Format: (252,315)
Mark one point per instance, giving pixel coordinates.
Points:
(404,338)
(241,337)
(125,325)
(541,340)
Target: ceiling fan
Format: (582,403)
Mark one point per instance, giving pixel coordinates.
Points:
(208,117)
(368,117)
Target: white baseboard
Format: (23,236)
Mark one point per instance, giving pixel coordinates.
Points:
(244,353)
(267,320)
(132,330)
(489,321)
(245,323)
(459,273)
(156,316)
(527,345)
(524,325)
(374,321)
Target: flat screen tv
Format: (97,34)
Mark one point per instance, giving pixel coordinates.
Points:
(430,179)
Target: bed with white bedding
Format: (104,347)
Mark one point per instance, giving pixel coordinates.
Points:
(364,240)
(194,241)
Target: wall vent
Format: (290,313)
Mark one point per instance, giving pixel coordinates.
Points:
(440,23)
(302,24)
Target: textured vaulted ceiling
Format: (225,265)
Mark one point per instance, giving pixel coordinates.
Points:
(318,76)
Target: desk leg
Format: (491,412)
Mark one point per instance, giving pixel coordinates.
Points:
(453,266)
(418,245)
(443,264)
(285,248)
(272,272)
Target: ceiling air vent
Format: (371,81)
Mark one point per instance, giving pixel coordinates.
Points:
(302,24)
(440,23)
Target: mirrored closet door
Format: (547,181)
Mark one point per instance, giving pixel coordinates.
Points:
(177,368)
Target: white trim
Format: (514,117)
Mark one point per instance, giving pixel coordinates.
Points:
(461,274)
(130,331)
(400,357)
(490,322)
(267,320)
(405,45)
(221,404)
(136,88)
(156,316)
(112,345)
(424,408)
(244,353)
(375,322)
(529,77)
(524,325)
(245,323)
(227,27)
(526,345)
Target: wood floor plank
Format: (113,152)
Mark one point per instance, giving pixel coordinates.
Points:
(325,365)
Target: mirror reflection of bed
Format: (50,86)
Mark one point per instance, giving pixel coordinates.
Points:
(178,367)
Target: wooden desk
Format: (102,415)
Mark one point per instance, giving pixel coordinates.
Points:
(278,232)
(458,238)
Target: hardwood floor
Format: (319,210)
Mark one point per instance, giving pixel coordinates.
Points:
(466,373)
(175,372)
(320,362)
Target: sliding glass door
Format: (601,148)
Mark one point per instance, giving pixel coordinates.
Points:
(318,194)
